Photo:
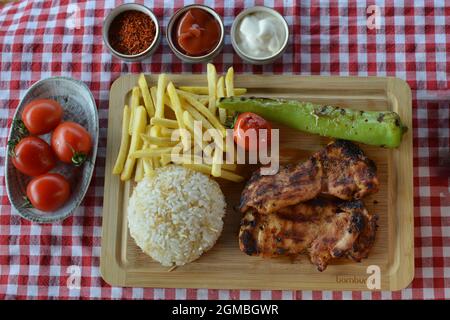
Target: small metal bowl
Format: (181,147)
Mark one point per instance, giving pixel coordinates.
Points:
(131,7)
(194,59)
(234,31)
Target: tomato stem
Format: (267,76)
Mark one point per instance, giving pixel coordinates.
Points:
(231,120)
(12,146)
(19,131)
(26,203)
(78,158)
(19,128)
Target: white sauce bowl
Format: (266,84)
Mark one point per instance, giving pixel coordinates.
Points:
(235,31)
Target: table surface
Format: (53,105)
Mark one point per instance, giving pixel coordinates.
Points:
(39,39)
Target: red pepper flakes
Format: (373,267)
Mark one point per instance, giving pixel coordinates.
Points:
(131,32)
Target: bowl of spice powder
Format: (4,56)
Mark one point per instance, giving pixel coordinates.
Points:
(131,32)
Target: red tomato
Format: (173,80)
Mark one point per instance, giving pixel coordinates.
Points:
(48,192)
(71,143)
(245,138)
(33,156)
(42,116)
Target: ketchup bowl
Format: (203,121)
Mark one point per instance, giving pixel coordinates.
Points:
(195,33)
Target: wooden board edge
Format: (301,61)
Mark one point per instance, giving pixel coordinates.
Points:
(307,81)
(111,271)
(111,268)
(238,284)
(402,271)
(120,81)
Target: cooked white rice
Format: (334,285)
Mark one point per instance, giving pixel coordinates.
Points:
(176,214)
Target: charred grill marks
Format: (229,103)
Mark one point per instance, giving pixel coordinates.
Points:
(337,229)
(340,169)
(292,212)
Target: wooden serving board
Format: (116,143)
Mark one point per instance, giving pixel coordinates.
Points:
(225,266)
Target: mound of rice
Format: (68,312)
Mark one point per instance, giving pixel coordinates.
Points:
(176,214)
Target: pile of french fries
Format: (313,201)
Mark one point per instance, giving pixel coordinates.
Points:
(156,112)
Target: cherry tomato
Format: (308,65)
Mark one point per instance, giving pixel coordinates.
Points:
(42,116)
(248,140)
(71,143)
(33,156)
(48,192)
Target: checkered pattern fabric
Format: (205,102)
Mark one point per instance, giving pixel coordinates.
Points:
(39,39)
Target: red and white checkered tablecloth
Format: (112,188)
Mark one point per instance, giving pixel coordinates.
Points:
(39,39)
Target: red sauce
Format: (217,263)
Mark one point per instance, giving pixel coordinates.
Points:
(197,32)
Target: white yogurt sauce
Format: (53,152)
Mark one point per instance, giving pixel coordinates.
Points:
(260,35)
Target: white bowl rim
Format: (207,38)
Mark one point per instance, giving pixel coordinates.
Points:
(254,9)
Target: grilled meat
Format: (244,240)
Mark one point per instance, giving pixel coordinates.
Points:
(323,228)
(340,169)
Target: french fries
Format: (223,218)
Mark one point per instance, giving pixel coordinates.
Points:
(148,127)
(157,162)
(203,100)
(204,90)
(147,163)
(164,132)
(188,121)
(229,82)
(166,159)
(139,124)
(168,123)
(135,99)
(162,83)
(148,103)
(198,116)
(199,160)
(124,142)
(221,94)
(148,166)
(216,168)
(176,104)
(150,153)
(190,124)
(166,98)
(203,110)
(154,133)
(153,95)
(139,174)
(207,170)
(212,85)
(158,141)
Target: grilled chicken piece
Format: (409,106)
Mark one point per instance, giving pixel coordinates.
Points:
(323,228)
(340,169)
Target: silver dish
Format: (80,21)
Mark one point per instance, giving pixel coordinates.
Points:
(128,7)
(188,58)
(254,60)
(79,106)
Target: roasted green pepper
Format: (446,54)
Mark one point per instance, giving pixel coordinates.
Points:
(380,128)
